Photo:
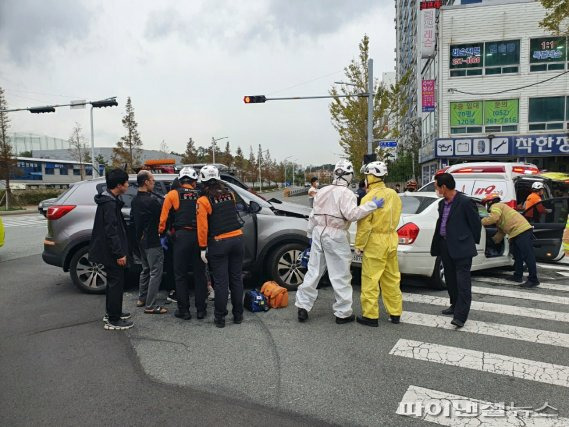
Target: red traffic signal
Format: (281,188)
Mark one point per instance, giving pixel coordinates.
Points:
(254,99)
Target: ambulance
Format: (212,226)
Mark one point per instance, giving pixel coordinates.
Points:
(513,182)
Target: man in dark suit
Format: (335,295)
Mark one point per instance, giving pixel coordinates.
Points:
(456,235)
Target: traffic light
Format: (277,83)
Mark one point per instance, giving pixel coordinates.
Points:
(254,99)
(39,110)
(111,102)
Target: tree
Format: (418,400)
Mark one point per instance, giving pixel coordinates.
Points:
(349,115)
(8,162)
(239,162)
(26,154)
(164,147)
(190,156)
(227,157)
(128,149)
(557,17)
(78,148)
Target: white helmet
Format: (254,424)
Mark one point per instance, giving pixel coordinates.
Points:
(188,172)
(344,170)
(537,186)
(378,169)
(209,172)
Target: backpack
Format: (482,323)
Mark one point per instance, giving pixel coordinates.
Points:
(276,295)
(255,301)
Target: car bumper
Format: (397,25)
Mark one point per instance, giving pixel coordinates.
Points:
(51,254)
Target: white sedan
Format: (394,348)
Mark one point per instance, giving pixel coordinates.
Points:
(416,229)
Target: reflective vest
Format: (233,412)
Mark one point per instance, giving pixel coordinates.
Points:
(185,216)
(223,218)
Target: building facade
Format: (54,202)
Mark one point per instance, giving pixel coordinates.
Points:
(501,88)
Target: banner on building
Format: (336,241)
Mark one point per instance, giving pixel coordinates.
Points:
(518,146)
(428,95)
(428,32)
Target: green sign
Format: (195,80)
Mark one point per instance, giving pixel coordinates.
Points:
(466,113)
(502,112)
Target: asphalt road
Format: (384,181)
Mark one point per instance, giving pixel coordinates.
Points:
(60,366)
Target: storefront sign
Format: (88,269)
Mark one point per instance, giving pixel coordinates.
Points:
(466,56)
(431,4)
(548,49)
(501,112)
(428,33)
(428,95)
(518,146)
(466,113)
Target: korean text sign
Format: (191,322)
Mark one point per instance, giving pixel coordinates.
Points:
(501,112)
(466,113)
(428,95)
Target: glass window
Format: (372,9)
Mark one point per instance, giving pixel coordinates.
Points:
(415,204)
(548,53)
(63,170)
(498,54)
(50,171)
(465,56)
(547,113)
(77,172)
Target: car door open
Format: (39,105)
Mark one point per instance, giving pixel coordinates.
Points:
(549,218)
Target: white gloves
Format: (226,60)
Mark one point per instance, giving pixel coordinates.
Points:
(204,256)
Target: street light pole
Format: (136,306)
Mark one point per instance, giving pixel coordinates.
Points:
(95,173)
(213,145)
(369,105)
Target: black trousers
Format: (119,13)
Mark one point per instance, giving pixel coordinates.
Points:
(459,285)
(522,250)
(187,258)
(226,266)
(114,291)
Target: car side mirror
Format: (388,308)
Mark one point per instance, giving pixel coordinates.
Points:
(254,207)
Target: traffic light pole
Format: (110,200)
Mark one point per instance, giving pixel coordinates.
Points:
(370,106)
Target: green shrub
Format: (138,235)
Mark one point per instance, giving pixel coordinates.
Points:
(33,197)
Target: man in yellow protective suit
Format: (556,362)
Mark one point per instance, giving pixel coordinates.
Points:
(377,239)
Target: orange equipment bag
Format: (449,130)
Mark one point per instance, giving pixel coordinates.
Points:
(276,295)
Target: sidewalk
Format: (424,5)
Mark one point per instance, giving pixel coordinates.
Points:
(26,210)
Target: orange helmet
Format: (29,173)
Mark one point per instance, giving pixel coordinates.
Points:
(491,198)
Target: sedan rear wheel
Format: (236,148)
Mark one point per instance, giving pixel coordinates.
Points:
(438,280)
(86,275)
(285,267)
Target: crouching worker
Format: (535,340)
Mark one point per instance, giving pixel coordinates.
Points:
(335,207)
(377,239)
(183,202)
(512,223)
(221,243)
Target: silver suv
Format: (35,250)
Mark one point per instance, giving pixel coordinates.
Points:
(275,233)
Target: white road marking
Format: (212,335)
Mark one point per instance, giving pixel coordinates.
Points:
(555,267)
(530,295)
(492,329)
(34,220)
(542,285)
(563,274)
(534,313)
(447,409)
(532,370)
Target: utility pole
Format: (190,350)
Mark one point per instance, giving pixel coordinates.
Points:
(260,178)
(369,105)
(213,145)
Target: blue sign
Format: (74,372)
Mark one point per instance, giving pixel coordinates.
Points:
(519,146)
(388,144)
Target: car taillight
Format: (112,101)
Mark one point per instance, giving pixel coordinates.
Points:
(56,212)
(408,233)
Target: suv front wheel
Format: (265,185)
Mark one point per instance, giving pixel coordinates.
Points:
(284,265)
(87,276)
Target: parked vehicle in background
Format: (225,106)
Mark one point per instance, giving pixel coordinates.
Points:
(274,235)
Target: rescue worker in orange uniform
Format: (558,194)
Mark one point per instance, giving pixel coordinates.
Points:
(182,201)
(533,199)
(221,243)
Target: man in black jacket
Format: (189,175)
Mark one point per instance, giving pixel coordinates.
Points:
(145,210)
(456,235)
(109,246)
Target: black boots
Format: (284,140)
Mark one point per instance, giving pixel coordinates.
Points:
(302,315)
(367,321)
(343,320)
(528,284)
(395,319)
(448,311)
(184,315)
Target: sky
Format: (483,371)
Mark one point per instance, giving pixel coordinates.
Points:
(187,65)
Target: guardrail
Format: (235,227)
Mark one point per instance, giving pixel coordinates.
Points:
(291,192)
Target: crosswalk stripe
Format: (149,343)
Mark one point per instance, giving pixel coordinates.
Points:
(563,274)
(555,267)
(447,409)
(528,295)
(534,313)
(542,285)
(492,329)
(532,370)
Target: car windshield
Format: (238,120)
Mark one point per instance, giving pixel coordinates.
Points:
(415,204)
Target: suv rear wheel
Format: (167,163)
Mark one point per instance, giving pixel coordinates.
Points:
(87,276)
(284,265)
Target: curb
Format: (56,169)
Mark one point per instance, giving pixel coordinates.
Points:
(20,212)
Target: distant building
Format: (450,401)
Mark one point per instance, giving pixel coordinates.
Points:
(21,141)
(106,152)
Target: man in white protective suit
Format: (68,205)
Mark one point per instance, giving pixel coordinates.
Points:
(335,207)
